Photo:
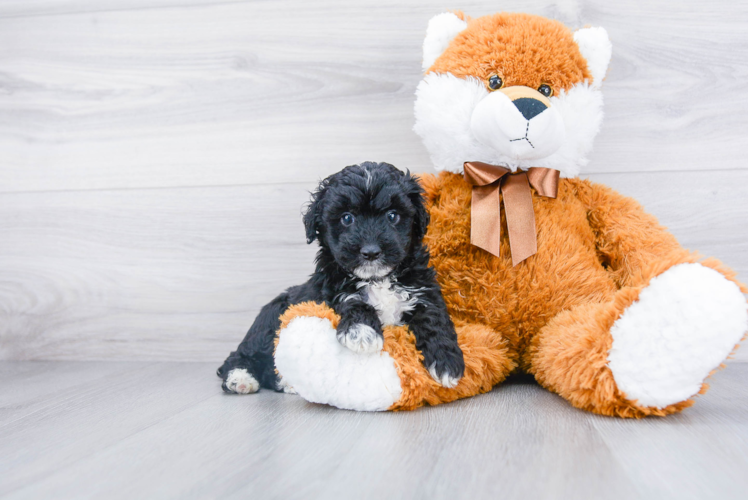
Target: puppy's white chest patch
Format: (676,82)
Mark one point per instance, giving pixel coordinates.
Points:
(389,299)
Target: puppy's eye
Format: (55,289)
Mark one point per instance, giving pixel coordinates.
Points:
(393,217)
(546,90)
(347,219)
(495,82)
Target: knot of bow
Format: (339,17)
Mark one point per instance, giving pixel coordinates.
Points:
(485,211)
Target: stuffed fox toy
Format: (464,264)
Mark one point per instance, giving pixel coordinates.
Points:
(542,272)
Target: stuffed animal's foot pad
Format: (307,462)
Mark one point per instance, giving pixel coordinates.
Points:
(684,324)
(361,338)
(239,381)
(310,358)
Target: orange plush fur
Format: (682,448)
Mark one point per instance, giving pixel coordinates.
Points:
(551,315)
(554,311)
(487,360)
(497,46)
(554,307)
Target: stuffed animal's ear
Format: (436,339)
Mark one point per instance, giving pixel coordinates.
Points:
(421,217)
(441,30)
(313,214)
(596,49)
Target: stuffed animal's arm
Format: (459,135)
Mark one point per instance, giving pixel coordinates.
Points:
(311,360)
(630,242)
(676,317)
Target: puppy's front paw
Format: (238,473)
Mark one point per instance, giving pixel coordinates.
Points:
(239,381)
(361,338)
(445,365)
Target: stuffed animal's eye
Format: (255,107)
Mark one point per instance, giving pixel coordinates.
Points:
(495,82)
(347,219)
(393,217)
(546,90)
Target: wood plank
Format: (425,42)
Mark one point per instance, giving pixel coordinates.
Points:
(152,274)
(519,441)
(491,446)
(179,274)
(263,92)
(26,8)
(30,385)
(103,409)
(685,447)
(277,446)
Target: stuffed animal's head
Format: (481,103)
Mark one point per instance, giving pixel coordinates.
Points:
(510,89)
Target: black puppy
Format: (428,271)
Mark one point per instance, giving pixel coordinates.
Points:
(372,269)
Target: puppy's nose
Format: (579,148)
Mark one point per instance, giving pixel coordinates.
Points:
(371,252)
(530,107)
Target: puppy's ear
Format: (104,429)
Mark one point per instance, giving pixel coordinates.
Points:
(421,217)
(313,214)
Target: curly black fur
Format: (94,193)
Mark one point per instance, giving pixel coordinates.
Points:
(381,240)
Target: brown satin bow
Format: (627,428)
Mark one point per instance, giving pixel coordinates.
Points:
(485,216)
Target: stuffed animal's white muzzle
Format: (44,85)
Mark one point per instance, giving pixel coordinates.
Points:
(518,122)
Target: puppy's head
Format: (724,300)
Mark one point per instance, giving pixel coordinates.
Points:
(369,217)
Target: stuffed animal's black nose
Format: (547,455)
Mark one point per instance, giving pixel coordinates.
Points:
(371,252)
(529,107)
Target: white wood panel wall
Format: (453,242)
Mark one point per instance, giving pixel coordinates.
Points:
(155,156)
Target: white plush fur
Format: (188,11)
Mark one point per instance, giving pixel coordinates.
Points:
(241,382)
(499,125)
(311,360)
(441,30)
(596,48)
(683,326)
(444,110)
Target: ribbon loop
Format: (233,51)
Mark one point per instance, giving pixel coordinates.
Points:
(485,210)
(478,173)
(544,180)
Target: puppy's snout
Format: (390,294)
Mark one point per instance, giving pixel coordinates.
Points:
(529,107)
(371,252)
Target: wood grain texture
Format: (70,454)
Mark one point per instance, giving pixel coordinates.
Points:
(179,274)
(155,155)
(148,274)
(117,95)
(137,430)
(55,429)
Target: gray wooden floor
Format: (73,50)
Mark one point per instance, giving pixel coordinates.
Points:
(165,430)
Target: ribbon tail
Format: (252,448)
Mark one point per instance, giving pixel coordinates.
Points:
(485,232)
(520,217)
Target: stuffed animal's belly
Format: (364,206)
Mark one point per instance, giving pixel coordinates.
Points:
(516,300)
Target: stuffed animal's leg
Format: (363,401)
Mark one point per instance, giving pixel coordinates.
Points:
(310,358)
(648,351)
